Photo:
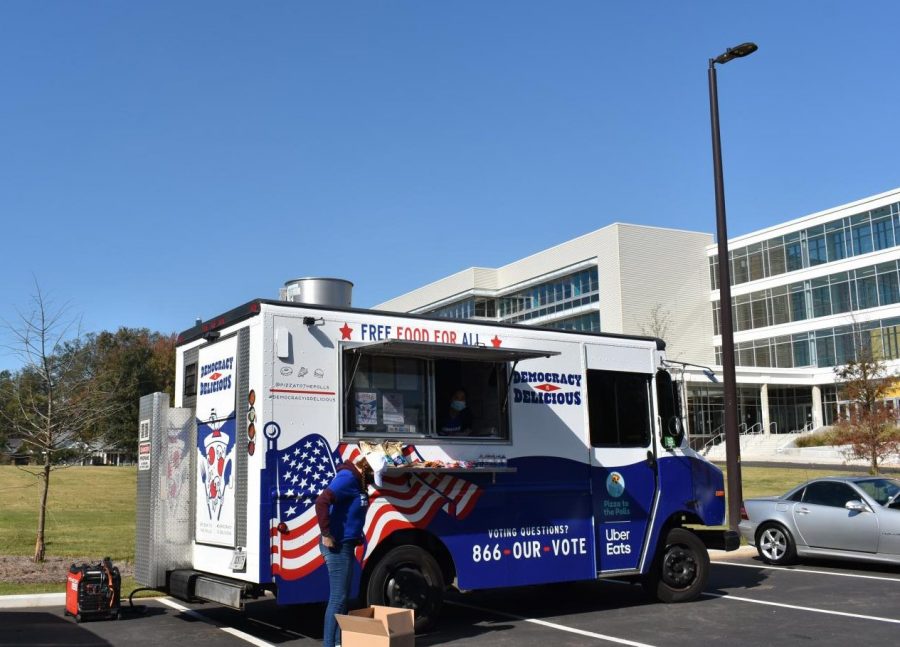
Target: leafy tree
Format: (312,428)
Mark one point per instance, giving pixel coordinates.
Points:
(870,429)
(56,405)
(128,364)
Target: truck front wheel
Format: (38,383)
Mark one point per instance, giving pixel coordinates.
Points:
(681,570)
(409,578)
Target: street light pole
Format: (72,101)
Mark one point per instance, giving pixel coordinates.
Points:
(732,438)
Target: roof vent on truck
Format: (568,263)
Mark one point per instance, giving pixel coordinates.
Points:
(335,293)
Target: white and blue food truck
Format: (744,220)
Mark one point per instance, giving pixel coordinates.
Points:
(574,466)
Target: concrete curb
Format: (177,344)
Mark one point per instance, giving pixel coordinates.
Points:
(743,551)
(32,600)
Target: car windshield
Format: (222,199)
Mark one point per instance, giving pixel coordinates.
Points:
(882,490)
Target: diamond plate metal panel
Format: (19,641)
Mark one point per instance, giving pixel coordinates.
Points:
(241,408)
(164,492)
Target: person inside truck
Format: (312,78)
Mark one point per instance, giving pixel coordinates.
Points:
(341,512)
(458,421)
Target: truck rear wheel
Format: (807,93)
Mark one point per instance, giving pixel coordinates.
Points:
(681,569)
(410,578)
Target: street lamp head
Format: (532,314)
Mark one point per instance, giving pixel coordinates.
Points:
(742,50)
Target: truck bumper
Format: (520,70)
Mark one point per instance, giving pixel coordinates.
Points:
(719,539)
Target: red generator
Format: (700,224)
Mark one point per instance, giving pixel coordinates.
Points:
(92,591)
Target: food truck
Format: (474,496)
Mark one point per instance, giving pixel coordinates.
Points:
(574,465)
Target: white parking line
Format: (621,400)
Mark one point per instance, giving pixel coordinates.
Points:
(809,570)
(799,608)
(551,625)
(237,633)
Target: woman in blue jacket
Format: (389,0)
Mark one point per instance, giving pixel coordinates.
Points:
(341,512)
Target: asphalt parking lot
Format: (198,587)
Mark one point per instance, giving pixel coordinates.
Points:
(746,603)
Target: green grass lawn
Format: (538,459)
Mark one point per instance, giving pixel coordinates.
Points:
(90,511)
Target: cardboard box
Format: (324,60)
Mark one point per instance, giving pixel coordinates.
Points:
(377,627)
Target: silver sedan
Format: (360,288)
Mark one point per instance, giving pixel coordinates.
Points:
(835,517)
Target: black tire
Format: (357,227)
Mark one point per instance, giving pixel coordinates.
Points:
(680,570)
(410,578)
(775,544)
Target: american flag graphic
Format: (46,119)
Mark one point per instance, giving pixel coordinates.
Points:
(305,469)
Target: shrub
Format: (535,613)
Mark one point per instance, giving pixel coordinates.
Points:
(819,439)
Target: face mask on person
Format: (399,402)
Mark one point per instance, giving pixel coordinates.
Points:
(458,405)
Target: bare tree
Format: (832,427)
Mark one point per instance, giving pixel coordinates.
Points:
(55,406)
(870,428)
(658,322)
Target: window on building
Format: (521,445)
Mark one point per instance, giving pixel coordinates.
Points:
(883,231)
(888,288)
(824,349)
(836,242)
(781,310)
(861,230)
(783,352)
(802,356)
(758,309)
(777,259)
(619,408)
(798,302)
(794,252)
(756,262)
(866,288)
(840,293)
(844,345)
(821,297)
(743,314)
(815,244)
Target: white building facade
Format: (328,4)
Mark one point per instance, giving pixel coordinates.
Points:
(805,294)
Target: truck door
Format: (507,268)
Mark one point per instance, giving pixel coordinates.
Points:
(623,465)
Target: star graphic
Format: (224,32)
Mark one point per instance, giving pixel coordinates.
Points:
(307,445)
(291,511)
(285,458)
(317,451)
(297,451)
(291,493)
(287,476)
(345,331)
(304,484)
(496,341)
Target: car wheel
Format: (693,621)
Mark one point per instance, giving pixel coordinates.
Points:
(775,545)
(681,570)
(410,578)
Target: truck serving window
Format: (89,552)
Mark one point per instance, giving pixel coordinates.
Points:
(396,389)
(619,408)
(388,396)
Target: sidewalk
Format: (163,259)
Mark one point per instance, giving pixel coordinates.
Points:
(32,600)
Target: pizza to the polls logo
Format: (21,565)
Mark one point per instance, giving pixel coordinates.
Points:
(216,469)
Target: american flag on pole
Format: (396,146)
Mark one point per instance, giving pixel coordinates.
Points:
(404,501)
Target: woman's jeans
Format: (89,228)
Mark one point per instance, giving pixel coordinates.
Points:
(340,575)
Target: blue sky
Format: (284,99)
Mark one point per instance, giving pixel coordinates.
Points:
(162,161)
